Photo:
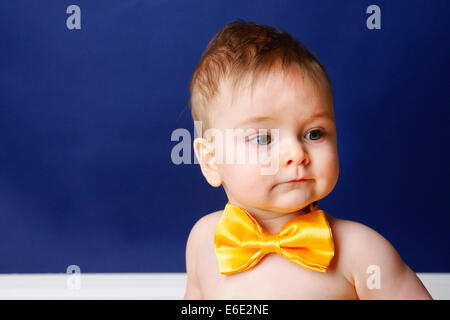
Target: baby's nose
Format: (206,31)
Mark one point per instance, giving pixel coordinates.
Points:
(293,154)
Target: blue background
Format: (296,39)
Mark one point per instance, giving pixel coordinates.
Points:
(86,117)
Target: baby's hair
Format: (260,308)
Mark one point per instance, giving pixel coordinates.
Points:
(241,49)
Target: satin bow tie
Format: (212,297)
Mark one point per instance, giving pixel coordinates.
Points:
(241,243)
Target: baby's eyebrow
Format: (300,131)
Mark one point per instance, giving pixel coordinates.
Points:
(257,119)
(321,114)
(254,120)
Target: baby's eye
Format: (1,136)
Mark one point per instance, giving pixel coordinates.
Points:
(314,134)
(263,139)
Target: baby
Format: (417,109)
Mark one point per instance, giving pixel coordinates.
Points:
(272,241)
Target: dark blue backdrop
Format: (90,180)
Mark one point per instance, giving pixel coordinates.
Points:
(86,117)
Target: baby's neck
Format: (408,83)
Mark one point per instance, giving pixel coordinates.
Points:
(272,222)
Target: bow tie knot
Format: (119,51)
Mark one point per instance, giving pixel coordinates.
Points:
(270,243)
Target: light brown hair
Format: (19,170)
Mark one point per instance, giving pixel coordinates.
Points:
(244,49)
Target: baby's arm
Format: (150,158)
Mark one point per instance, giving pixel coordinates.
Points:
(378,270)
(193,291)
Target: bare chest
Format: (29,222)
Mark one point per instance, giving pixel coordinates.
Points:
(274,277)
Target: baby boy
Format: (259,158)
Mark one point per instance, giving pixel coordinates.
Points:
(259,93)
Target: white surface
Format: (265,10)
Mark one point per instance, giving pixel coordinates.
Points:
(138,286)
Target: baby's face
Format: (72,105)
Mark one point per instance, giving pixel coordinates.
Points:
(304,148)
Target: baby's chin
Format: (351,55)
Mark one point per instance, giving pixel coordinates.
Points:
(285,206)
(290,209)
(293,200)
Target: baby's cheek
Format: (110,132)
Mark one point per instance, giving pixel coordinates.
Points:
(333,166)
(247,180)
(328,171)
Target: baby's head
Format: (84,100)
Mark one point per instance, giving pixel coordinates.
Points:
(256,89)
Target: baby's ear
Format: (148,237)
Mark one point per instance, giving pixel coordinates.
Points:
(204,152)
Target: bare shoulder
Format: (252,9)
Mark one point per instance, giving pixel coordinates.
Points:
(361,249)
(197,240)
(206,223)
(374,263)
(358,242)
(203,228)
(348,230)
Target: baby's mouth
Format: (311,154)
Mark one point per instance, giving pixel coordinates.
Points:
(298,180)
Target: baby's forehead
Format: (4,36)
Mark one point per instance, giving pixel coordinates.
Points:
(271,92)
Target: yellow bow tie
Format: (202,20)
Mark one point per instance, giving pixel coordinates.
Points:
(241,242)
